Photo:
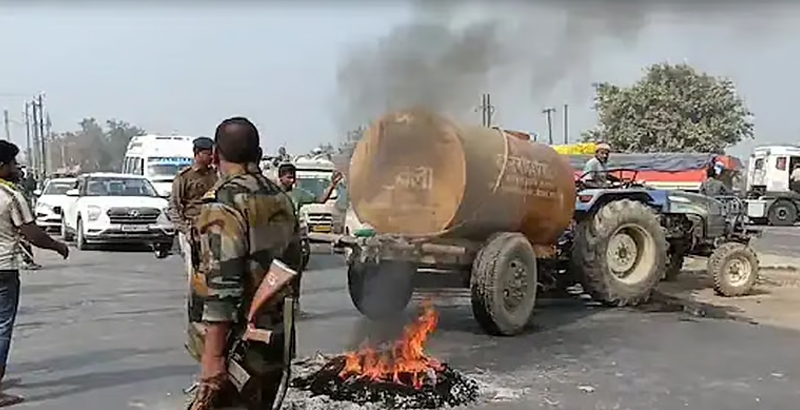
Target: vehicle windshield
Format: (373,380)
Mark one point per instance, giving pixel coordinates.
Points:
(111,186)
(315,186)
(164,171)
(58,187)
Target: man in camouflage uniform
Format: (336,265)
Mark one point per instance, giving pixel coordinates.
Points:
(245,222)
(188,188)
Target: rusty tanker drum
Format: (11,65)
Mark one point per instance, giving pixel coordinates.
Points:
(417,173)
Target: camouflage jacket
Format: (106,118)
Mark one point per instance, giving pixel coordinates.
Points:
(245,222)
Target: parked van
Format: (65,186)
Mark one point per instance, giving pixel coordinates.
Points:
(158,158)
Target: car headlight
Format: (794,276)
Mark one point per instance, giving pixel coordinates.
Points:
(92,212)
(43,208)
(165,213)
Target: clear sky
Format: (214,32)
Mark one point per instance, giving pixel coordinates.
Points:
(185,67)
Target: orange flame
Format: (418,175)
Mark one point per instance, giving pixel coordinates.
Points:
(406,357)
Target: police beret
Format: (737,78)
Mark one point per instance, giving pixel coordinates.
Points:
(203,143)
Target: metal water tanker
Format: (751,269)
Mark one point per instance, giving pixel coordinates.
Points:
(417,173)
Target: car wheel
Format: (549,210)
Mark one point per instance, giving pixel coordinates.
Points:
(65,233)
(81,240)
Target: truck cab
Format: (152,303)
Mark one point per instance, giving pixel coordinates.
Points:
(771,195)
(770,166)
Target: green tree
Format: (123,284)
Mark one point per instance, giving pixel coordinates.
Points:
(673,108)
(94,148)
(117,135)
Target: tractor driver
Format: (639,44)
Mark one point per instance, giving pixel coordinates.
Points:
(595,172)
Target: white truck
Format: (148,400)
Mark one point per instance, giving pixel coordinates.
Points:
(314,174)
(771,196)
(158,158)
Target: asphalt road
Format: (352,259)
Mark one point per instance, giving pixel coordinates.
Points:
(784,241)
(104,331)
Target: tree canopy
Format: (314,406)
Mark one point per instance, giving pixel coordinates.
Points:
(93,147)
(673,108)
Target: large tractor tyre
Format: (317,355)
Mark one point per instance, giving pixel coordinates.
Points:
(381,291)
(782,213)
(620,253)
(503,284)
(734,269)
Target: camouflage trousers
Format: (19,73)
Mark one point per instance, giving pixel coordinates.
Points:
(263,362)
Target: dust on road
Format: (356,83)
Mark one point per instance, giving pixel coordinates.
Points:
(775,300)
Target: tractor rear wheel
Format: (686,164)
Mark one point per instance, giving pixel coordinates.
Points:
(620,253)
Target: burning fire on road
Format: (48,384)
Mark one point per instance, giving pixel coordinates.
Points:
(397,375)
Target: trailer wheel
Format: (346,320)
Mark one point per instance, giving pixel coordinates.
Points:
(503,284)
(620,253)
(782,213)
(734,268)
(380,291)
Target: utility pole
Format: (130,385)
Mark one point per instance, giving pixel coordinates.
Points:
(36,144)
(49,138)
(487,110)
(548,112)
(7,125)
(566,124)
(29,156)
(42,136)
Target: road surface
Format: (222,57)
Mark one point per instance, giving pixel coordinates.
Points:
(784,241)
(104,330)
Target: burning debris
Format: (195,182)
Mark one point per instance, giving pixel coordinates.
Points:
(397,376)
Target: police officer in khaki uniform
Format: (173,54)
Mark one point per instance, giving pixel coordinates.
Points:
(188,188)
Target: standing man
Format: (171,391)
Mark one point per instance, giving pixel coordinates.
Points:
(294,254)
(27,185)
(245,221)
(188,188)
(16,223)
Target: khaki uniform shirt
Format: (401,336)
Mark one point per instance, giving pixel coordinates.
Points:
(188,189)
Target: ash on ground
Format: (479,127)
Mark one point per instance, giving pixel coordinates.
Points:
(316,385)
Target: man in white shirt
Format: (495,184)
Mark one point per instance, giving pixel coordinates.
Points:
(16,222)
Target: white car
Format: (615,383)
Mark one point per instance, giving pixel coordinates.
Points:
(50,202)
(119,208)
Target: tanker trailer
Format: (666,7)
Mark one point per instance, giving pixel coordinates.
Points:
(472,207)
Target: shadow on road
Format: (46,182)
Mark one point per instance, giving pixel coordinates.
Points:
(102,380)
(77,361)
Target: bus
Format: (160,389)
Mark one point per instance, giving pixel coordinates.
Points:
(158,158)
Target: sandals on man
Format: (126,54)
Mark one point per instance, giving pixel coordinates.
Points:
(7,400)
(212,393)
